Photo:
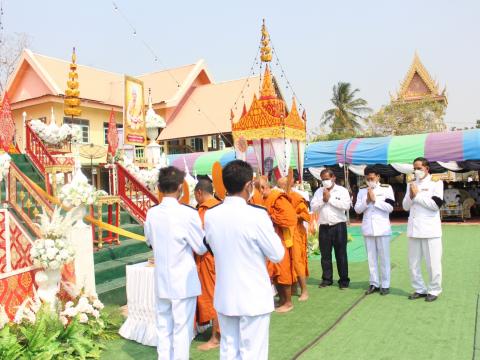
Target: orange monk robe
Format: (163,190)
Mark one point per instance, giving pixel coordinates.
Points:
(299,249)
(257,198)
(284,221)
(206,274)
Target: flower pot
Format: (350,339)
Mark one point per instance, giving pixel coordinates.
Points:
(48,281)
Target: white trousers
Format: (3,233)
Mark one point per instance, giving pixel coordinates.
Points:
(244,337)
(378,249)
(174,327)
(431,249)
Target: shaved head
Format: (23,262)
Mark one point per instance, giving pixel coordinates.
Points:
(205,186)
(263,186)
(282,183)
(203,190)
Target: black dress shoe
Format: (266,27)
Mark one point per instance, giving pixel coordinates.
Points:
(416,296)
(384,291)
(324,284)
(371,289)
(430,298)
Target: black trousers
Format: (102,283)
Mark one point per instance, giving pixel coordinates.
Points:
(334,236)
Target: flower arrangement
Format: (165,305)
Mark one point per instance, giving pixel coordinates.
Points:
(51,254)
(5,160)
(148,177)
(79,192)
(55,135)
(86,309)
(74,330)
(152,120)
(52,250)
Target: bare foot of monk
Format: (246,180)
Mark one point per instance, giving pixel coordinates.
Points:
(303,296)
(209,345)
(284,308)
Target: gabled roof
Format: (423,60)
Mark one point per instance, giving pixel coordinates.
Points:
(215,102)
(168,86)
(418,84)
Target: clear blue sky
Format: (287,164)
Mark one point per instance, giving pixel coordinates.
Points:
(367,43)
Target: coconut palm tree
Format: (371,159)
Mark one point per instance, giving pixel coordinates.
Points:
(347,112)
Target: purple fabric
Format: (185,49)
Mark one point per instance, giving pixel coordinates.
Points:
(446,146)
(351,149)
(341,151)
(189,158)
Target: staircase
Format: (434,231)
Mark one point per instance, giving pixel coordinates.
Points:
(110,261)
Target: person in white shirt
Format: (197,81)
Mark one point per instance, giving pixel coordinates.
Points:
(242,238)
(174,231)
(423,200)
(375,201)
(332,201)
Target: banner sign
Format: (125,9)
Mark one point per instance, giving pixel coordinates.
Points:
(134,113)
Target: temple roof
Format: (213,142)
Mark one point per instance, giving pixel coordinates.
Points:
(106,87)
(215,102)
(418,84)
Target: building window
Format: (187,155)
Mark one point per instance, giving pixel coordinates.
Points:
(222,145)
(196,144)
(214,142)
(84,125)
(105,131)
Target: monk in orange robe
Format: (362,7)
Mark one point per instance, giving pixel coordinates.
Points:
(206,269)
(284,220)
(299,249)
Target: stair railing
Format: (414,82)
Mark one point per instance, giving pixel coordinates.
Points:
(135,196)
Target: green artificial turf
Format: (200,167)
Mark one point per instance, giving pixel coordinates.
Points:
(394,327)
(377,327)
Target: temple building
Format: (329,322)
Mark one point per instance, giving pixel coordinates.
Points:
(197,109)
(418,85)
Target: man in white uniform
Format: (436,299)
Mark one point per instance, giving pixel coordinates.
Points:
(174,231)
(242,237)
(423,199)
(332,201)
(375,201)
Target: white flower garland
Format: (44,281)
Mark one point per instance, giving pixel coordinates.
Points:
(55,135)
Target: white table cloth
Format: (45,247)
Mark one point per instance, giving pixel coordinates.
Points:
(140,323)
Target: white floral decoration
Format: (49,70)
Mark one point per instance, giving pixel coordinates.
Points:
(55,135)
(79,192)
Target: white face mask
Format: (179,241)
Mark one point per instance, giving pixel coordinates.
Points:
(327,183)
(419,174)
(371,184)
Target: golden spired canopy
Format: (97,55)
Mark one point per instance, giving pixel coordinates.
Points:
(268,117)
(72,93)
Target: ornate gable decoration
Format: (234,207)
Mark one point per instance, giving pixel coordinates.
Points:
(418,84)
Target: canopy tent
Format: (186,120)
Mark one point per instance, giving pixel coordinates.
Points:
(200,163)
(445,148)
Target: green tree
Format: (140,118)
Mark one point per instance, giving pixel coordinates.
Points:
(345,118)
(403,118)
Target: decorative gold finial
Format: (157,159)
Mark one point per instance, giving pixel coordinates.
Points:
(266,50)
(268,90)
(72,100)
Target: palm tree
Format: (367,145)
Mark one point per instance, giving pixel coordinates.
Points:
(344,117)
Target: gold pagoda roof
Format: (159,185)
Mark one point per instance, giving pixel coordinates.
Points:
(418,84)
(267,117)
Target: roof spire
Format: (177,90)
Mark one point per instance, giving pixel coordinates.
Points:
(266,50)
(72,100)
(268,90)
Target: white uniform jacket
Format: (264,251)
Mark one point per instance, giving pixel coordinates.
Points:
(424,219)
(333,211)
(175,231)
(242,237)
(376,216)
